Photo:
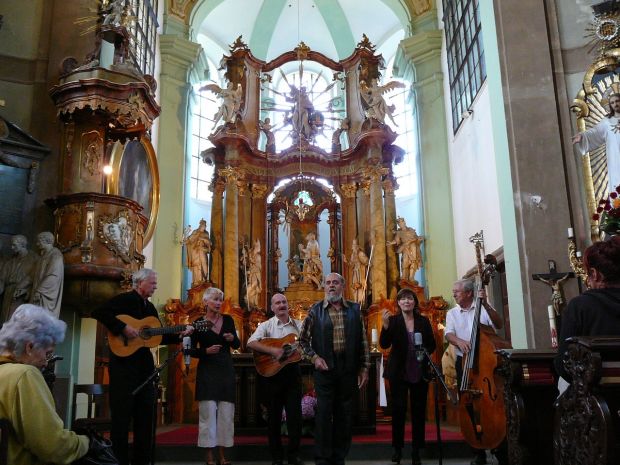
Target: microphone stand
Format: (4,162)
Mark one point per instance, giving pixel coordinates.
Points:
(154,378)
(438,377)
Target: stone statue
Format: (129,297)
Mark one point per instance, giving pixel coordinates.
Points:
(16,276)
(358,263)
(301,113)
(266,127)
(336,136)
(408,244)
(373,96)
(231,101)
(607,132)
(254,274)
(294,268)
(49,275)
(311,256)
(198,248)
(114,13)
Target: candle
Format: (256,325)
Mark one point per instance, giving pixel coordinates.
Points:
(552,327)
(571,233)
(373,335)
(578,254)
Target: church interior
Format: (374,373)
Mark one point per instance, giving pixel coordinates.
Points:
(397,143)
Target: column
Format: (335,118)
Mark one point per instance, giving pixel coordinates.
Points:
(419,59)
(349,223)
(178,57)
(217,230)
(259,231)
(378,269)
(389,186)
(234,177)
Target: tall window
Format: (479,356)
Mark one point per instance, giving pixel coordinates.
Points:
(143,34)
(204,107)
(466,67)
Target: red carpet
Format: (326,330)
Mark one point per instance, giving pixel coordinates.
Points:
(185,435)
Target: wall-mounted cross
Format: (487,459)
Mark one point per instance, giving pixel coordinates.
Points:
(555,281)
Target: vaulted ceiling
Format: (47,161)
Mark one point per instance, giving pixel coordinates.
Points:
(271,27)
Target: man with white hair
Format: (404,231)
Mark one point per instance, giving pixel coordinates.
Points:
(333,336)
(128,373)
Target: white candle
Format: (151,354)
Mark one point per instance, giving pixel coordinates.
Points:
(578,254)
(571,233)
(373,335)
(552,327)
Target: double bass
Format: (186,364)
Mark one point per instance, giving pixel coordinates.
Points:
(481,402)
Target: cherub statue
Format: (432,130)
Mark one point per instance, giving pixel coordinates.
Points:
(231,102)
(373,97)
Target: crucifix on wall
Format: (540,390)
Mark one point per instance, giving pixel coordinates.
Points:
(555,281)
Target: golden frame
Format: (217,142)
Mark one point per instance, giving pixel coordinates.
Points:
(113,184)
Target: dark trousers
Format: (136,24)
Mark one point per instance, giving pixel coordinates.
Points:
(417,399)
(284,391)
(334,416)
(123,409)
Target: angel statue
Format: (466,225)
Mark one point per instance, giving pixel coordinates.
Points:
(373,97)
(231,102)
(114,15)
(606,132)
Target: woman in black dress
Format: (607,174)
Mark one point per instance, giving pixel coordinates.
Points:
(215,378)
(405,372)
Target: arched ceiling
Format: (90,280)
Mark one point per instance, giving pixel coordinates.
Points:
(272,27)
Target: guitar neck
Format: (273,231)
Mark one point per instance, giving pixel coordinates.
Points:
(166,330)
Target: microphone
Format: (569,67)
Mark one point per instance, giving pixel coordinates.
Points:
(187,345)
(419,348)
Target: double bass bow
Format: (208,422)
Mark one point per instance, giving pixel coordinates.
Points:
(481,404)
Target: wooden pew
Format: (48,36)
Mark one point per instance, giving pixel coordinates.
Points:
(587,415)
(529,392)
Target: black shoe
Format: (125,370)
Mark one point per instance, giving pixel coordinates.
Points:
(295,461)
(276,462)
(397,455)
(479,460)
(415,457)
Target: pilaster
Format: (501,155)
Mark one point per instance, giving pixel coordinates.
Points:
(178,56)
(419,59)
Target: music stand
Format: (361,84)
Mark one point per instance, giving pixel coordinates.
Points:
(154,378)
(437,376)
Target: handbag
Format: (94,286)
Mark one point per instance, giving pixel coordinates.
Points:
(99,451)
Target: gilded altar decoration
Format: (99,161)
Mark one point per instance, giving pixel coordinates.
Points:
(117,234)
(604,30)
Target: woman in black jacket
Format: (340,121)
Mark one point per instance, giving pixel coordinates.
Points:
(405,372)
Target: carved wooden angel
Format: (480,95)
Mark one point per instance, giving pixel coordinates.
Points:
(373,97)
(231,103)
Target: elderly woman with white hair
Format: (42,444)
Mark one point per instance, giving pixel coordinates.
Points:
(37,434)
(215,378)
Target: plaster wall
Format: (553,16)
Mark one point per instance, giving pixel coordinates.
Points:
(475,198)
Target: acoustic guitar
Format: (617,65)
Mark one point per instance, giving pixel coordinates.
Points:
(150,334)
(267,365)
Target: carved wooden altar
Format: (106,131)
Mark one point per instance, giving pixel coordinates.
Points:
(587,424)
(529,392)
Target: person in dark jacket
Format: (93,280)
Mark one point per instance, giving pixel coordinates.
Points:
(333,337)
(128,373)
(596,312)
(405,371)
(215,378)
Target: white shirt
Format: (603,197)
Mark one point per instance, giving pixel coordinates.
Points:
(459,322)
(274,328)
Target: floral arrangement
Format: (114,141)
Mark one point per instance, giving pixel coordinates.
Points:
(608,212)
